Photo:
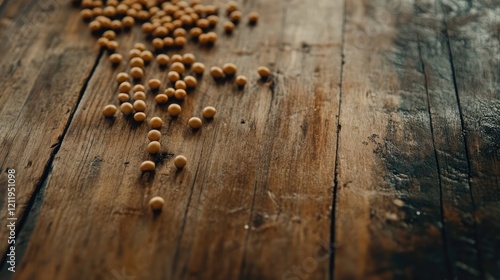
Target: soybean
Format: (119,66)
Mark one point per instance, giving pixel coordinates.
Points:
(180,161)
(154,84)
(155,122)
(140,95)
(253,17)
(103,42)
(229,69)
(123,97)
(162,59)
(241,81)
(140,105)
(161,98)
(180,84)
(136,73)
(134,53)
(180,94)
(154,135)
(137,62)
(126,108)
(229,27)
(121,77)
(235,16)
(139,87)
(147,166)
(147,56)
(198,68)
(174,110)
(216,72)
(115,58)
(154,147)
(169,92)
(177,67)
(176,58)
(139,117)
(209,112)
(190,81)
(109,111)
(124,87)
(263,71)
(156,203)
(112,45)
(195,122)
(188,59)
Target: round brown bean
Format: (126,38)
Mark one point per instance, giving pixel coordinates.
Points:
(195,122)
(121,77)
(174,110)
(154,147)
(126,108)
(139,116)
(136,73)
(109,111)
(180,161)
(180,84)
(115,58)
(241,81)
(123,97)
(209,112)
(155,122)
(229,69)
(154,84)
(147,166)
(124,87)
(139,87)
(263,71)
(140,95)
(190,81)
(229,27)
(198,68)
(253,17)
(216,72)
(180,94)
(176,58)
(162,59)
(161,98)
(156,203)
(177,67)
(147,56)
(140,105)
(137,62)
(169,92)
(154,135)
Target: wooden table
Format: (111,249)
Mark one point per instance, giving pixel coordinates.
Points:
(372,153)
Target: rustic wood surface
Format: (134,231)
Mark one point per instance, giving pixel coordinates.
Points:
(373,152)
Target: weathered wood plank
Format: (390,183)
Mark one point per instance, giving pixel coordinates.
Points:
(286,205)
(216,190)
(472,29)
(457,203)
(388,211)
(42,76)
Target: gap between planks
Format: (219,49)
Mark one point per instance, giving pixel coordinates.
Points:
(42,183)
(336,167)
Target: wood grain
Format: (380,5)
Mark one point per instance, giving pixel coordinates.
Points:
(460,230)
(392,194)
(40,89)
(371,152)
(231,160)
(473,35)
